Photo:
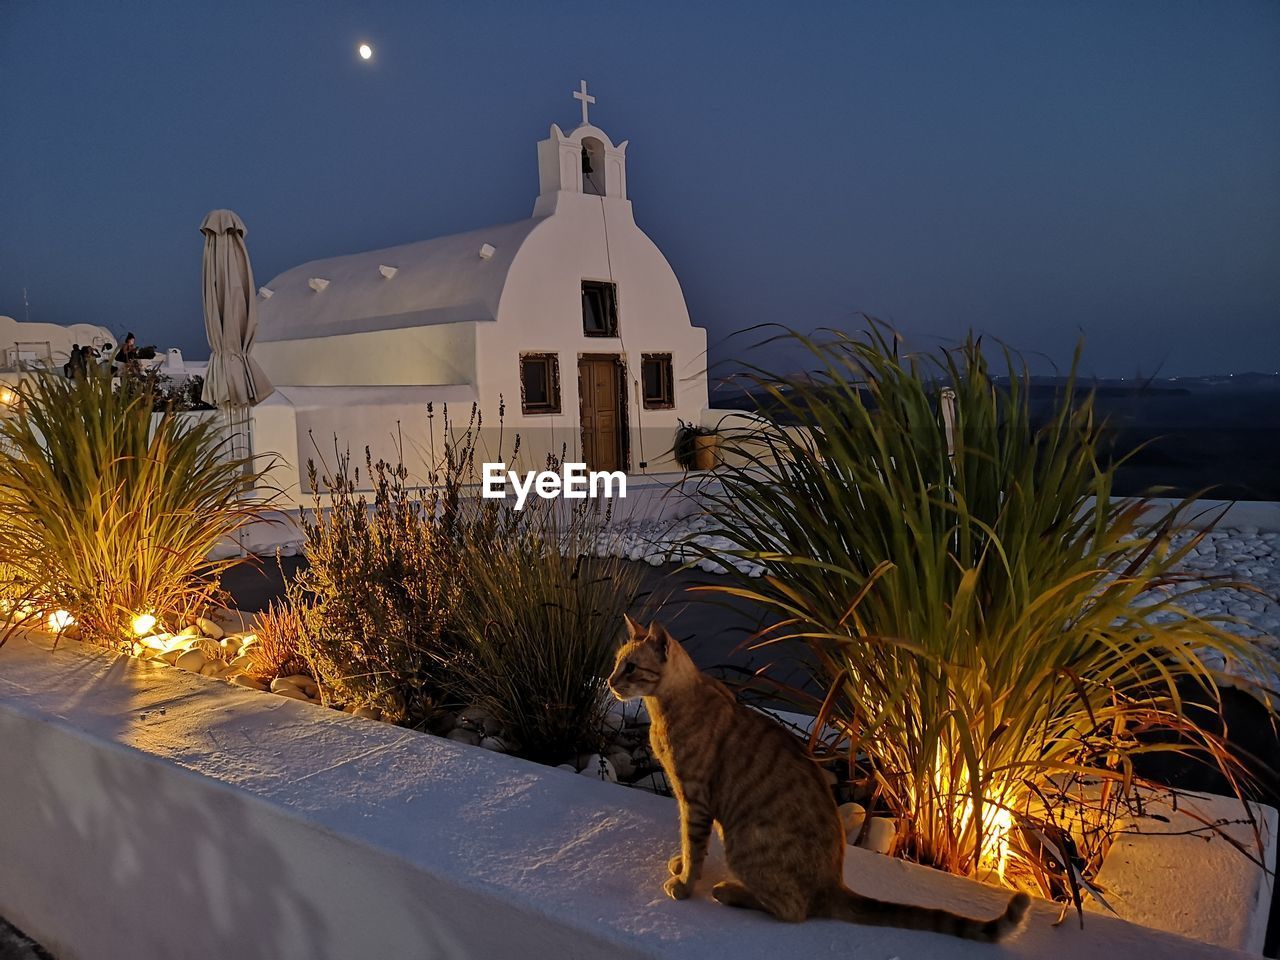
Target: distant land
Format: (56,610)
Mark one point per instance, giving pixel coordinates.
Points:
(1128,386)
(1217,434)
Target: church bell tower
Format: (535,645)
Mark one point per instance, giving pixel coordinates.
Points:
(584,161)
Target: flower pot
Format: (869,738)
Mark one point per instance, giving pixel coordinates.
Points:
(706,452)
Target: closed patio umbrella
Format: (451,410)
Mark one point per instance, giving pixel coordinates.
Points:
(234,379)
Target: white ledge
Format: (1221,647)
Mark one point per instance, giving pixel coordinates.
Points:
(153,813)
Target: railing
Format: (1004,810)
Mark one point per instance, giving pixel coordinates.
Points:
(29,355)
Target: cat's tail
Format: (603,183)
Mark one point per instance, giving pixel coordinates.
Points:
(843,904)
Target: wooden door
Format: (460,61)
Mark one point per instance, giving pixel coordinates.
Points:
(599,393)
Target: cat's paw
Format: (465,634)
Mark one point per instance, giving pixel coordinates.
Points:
(677,889)
(675,866)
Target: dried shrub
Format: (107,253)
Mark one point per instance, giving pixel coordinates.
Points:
(436,596)
(279,632)
(378,589)
(377,598)
(538,618)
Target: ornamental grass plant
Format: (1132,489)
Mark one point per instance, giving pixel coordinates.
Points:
(112,510)
(997,639)
(538,621)
(278,629)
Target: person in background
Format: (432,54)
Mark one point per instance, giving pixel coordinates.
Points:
(126,358)
(128,352)
(74,368)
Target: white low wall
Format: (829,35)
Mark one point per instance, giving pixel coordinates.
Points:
(149,813)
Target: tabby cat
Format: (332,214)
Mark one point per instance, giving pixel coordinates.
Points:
(737,769)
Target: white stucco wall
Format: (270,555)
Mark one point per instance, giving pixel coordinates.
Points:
(274,438)
(413,356)
(298,424)
(594,238)
(148,812)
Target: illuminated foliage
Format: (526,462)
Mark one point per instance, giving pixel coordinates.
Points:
(998,638)
(111,511)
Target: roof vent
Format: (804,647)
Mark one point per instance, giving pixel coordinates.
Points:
(387,272)
(487,250)
(266,293)
(318,284)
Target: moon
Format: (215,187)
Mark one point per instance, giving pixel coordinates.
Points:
(365,51)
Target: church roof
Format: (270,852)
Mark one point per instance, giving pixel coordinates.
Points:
(445,280)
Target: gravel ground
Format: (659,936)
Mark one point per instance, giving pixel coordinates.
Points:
(1244,555)
(1241,554)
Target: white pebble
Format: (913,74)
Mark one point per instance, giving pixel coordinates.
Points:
(880,834)
(852,815)
(208,628)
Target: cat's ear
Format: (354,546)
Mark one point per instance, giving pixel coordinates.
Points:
(661,640)
(634,629)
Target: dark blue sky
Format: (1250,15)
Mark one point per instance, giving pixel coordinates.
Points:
(1032,170)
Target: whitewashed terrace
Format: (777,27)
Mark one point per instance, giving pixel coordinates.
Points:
(149,812)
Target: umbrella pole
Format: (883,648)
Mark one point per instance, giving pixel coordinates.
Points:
(241,446)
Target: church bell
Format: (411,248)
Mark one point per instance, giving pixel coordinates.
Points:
(586,161)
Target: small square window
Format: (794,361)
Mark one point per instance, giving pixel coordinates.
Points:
(599,309)
(539,383)
(657,380)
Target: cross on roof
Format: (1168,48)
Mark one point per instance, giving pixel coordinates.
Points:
(581,94)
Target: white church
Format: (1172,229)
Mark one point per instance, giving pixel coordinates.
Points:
(572,317)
